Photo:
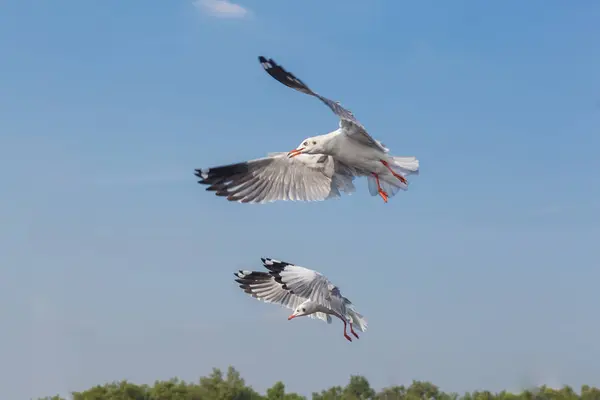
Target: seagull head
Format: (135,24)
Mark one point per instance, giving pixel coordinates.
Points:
(306,308)
(308,146)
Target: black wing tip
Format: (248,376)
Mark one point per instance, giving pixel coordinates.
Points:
(283,76)
(223,171)
(203,175)
(274,261)
(264,60)
(274,266)
(266,261)
(218,178)
(248,279)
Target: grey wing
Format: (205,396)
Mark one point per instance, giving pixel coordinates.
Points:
(302,281)
(339,302)
(346,308)
(349,124)
(277,177)
(263,286)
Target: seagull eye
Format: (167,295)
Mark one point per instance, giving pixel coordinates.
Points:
(305,144)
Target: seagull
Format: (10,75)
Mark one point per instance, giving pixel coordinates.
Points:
(317,169)
(303,290)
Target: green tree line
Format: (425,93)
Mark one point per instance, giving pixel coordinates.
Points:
(231,386)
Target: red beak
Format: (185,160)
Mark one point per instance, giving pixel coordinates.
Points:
(295,152)
(291,317)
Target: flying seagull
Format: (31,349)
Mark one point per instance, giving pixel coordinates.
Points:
(319,168)
(303,290)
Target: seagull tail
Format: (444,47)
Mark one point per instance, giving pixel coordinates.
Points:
(389,188)
(406,165)
(358,321)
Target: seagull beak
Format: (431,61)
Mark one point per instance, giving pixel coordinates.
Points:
(295,152)
(291,317)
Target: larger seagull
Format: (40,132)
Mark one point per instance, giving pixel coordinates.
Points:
(319,168)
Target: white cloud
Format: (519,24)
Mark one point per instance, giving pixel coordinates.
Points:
(221,8)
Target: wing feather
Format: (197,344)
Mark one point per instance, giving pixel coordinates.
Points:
(303,282)
(263,286)
(348,123)
(277,177)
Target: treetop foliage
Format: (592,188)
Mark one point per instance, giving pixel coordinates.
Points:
(231,386)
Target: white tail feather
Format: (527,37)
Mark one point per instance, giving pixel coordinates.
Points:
(389,188)
(372,185)
(407,165)
(358,320)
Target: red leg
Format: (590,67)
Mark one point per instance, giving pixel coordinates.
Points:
(383,194)
(345,334)
(352,330)
(397,175)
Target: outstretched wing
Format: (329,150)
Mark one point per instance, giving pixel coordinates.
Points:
(348,122)
(277,177)
(263,286)
(306,283)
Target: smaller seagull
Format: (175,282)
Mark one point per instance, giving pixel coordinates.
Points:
(303,290)
(319,168)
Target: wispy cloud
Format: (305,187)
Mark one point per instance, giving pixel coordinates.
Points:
(221,8)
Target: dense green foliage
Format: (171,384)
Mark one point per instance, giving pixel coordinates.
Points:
(232,387)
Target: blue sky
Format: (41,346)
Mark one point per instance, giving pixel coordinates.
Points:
(117,264)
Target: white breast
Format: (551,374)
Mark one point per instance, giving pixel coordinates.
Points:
(356,154)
